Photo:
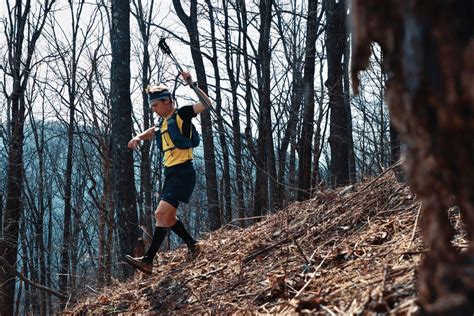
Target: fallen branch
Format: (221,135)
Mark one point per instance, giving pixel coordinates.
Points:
(205,275)
(34,284)
(301,251)
(262,251)
(414,227)
(309,281)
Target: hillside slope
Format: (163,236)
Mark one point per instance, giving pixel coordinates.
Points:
(348,251)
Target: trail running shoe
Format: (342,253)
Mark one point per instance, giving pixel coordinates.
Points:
(140,263)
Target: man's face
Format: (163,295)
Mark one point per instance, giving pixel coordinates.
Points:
(161,107)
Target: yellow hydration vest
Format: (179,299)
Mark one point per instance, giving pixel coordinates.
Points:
(172,154)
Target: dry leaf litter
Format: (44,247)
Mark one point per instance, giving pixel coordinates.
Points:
(348,251)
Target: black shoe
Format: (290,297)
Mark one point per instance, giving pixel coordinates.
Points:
(140,263)
(194,250)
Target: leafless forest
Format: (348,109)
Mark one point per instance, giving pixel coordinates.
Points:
(74,199)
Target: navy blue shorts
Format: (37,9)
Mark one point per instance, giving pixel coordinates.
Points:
(179,183)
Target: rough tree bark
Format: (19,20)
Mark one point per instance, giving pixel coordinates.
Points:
(266,169)
(338,139)
(428,49)
(123,184)
(307,130)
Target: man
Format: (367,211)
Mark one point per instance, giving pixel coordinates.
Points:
(180,176)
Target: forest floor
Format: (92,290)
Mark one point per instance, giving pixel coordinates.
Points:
(347,251)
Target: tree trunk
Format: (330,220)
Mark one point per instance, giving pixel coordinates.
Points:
(190,22)
(293,57)
(394,144)
(292,171)
(28,290)
(49,246)
(319,135)
(305,142)
(248,92)
(64,270)
(38,133)
(227,210)
(428,49)
(122,163)
(266,173)
(339,131)
(347,98)
(395,154)
(14,205)
(146,218)
(235,115)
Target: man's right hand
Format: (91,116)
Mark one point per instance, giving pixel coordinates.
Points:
(134,143)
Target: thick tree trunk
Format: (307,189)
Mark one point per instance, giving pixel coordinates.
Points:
(266,169)
(428,49)
(123,183)
(395,153)
(306,140)
(339,125)
(14,206)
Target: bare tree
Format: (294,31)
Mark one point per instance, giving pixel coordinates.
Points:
(305,142)
(190,22)
(97,109)
(338,139)
(347,99)
(69,51)
(243,27)
(122,164)
(23,29)
(265,162)
(226,190)
(294,57)
(35,195)
(237,146)
(143,17)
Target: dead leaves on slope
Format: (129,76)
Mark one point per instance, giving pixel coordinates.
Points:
(339,253)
